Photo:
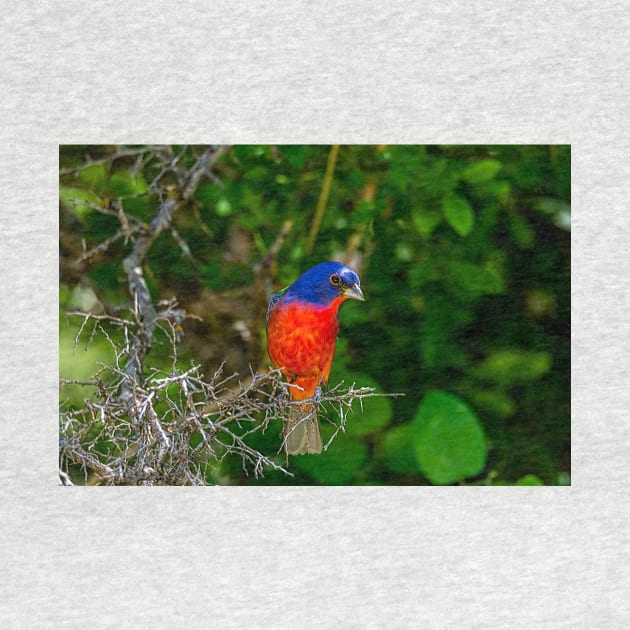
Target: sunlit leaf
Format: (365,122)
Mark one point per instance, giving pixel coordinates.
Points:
(223,207)
(124,183)
(94,177)
(497,402)
(500,189)
(77,199)
(529,480)
(448,439)
(513,365)
(458,214)
(547,205)
(481,171)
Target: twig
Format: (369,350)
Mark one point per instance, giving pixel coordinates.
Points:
(176,427)
(101,247)
(119,154)
(323,198)
(263,270)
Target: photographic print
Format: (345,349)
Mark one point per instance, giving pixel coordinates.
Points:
(315,315)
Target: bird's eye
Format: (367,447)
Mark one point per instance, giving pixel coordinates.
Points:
(335,280)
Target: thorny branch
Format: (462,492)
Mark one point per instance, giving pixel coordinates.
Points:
(177,427)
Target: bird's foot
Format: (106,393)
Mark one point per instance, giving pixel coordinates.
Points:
(317,395)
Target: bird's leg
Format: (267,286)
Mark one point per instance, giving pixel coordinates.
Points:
(317,395)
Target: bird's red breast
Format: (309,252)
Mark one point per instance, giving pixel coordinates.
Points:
(301,340)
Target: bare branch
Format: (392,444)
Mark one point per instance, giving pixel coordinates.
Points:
(177,427)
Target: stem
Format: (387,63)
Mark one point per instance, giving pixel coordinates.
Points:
(323,197)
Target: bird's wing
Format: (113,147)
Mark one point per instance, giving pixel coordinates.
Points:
(275,298)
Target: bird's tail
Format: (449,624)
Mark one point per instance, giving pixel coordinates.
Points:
(301,430)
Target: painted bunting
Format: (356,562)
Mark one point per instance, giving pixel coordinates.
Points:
(302,327)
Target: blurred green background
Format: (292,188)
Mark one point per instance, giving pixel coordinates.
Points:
(464,258)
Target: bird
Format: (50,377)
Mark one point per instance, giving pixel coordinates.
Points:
(302,328)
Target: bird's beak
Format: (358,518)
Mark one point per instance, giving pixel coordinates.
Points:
(353,292)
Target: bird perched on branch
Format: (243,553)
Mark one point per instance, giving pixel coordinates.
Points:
(302,327)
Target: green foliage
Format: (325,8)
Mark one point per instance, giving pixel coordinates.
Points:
(481,171)
(513,366)
(398,456)
(529,480)
(77,199)
(335,466)
(466,271)
(458,213)
(448,439)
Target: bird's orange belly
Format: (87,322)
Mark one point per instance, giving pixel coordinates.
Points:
(301,342)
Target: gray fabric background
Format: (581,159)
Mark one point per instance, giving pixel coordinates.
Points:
(305,72)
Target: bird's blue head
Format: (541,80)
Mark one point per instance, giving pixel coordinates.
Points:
(324,283)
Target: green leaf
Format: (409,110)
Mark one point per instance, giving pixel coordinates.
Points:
(376,414)
(94,176)
(80,364)
(449,441)
(404,252)
(458,213)
(481,171)
(76,198)
(295,154)
(473,279)
(124,184)
(521,229)
(548,205)
(513,365)
(529,480)
(252,200)
(497,402)
(257,174)
(500,189)
(425,221)
(223,207)
(564,479)
(399,455)
(337,465)
(370,416)
(364,212)
(559,210)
